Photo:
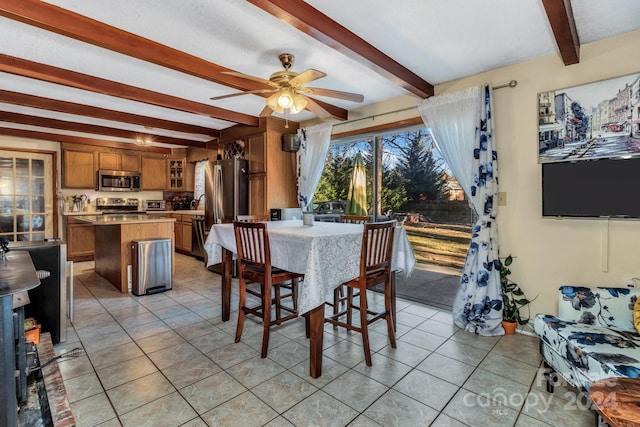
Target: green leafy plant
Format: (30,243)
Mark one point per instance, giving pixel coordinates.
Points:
(513,298)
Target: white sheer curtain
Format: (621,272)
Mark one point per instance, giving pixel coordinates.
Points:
(198,185)
(314,144)
(452,120)
(462,127)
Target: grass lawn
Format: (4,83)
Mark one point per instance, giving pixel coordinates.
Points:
(440,244)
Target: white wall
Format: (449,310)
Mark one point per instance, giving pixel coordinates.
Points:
(549,252)
(552,252)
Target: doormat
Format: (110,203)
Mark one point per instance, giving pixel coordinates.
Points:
(430,285)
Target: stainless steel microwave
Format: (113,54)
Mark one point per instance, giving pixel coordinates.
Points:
(111,180)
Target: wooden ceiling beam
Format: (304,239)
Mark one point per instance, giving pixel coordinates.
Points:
(51,74)
(66,107)
(70,24)
(312,22)
(30,120)
(47,136)
(560,16)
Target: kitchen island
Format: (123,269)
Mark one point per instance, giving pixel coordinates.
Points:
(113,237)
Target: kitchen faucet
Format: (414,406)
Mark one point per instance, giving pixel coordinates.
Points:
(196,202)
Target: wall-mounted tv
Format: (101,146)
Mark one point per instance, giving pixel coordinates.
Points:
(592,188)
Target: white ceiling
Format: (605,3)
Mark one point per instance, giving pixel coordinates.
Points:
(439,40)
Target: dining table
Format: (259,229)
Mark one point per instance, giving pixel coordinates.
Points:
(328,254)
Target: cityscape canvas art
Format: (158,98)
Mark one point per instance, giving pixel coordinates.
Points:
(590,121)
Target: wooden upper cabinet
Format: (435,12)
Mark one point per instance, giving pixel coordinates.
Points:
(117,161)
(272,174)
(78,169)
(130,163)
(109,161)
(280,167)
(255,153)
(154,173)
(189,176)
(177,174)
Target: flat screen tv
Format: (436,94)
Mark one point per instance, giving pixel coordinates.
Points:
(592,188)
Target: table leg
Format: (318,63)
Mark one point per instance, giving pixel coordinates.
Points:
(316,321)
(227,271)
(393,299)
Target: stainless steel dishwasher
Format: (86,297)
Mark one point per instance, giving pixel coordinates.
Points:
(198,237)
(150,266)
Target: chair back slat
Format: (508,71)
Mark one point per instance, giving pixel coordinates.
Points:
(252,243)
(354,219)
(252,218)
(377,246)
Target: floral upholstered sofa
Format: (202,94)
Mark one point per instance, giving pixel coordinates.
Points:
(593,336)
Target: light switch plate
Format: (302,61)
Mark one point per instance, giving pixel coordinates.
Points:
(502,198)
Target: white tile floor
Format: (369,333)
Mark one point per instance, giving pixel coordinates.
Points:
(168,360)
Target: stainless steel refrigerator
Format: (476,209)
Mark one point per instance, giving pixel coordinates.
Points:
(226,190)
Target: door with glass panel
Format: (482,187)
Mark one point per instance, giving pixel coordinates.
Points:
(26,195)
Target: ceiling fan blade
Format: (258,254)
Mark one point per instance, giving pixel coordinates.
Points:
(305,77)
(348,96)
(248,77)
(215,98)
(266,111)
(316,109)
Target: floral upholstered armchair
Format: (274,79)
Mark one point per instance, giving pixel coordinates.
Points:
(593,337)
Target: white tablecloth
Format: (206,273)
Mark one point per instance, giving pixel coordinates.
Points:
(328,254)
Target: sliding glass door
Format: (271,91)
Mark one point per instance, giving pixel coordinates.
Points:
(26,195)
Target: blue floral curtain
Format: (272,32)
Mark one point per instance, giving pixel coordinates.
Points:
(462,127)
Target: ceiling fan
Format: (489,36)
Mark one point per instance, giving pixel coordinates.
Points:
(289,93)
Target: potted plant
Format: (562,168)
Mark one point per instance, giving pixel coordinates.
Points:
(513,299)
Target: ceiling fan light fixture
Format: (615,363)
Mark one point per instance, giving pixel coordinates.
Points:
(143,140)
(287,99)
(299,103)
(272,102)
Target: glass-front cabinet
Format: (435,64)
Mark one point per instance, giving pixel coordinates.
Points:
(177,174)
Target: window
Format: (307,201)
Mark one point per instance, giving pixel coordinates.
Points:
(26,201)
(407,180)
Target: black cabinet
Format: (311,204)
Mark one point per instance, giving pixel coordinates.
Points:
(48,302)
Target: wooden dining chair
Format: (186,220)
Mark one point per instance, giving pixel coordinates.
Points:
(354,219)
(375,268)
(252,218)
(339,297)
(254,265)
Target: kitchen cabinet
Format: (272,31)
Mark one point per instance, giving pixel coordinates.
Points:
(177,174)
(113,238)
(183,233)
(154,173)
(78,169)
(189,176)
(130,163)
(80,239)
(118,161)
(272,173)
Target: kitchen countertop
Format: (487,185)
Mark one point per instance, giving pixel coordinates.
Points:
(81,213)
(181,212)
(123,219)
